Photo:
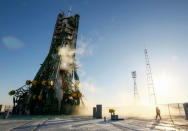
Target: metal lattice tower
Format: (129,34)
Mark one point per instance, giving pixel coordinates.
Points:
(135,85)
(149,78)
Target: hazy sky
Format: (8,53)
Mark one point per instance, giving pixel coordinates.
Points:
(112,37)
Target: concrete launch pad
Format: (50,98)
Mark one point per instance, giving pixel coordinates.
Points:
(87,123)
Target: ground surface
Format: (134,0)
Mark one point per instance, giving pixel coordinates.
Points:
(87,123)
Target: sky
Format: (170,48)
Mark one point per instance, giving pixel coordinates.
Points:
(112,37)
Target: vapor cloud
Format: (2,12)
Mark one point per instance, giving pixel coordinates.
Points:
(84,46)
(67,59)
(89,87)
(67,54)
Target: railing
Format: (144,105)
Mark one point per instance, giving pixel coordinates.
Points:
(148,112)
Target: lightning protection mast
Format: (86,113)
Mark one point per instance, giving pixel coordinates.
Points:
(149,78)
(135,86)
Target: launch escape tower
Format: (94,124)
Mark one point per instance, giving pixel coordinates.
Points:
(149,78)
(55,88)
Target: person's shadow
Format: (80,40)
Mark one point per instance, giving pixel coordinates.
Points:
(157,122)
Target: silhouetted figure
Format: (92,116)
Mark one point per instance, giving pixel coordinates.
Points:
(158,113)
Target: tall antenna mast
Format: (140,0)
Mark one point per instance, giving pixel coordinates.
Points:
(135,85)
(149,78)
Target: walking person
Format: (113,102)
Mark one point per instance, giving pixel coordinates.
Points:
(158,113)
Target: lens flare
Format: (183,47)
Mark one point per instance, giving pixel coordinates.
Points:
(163,84)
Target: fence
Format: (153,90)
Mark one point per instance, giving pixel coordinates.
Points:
(148,112)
